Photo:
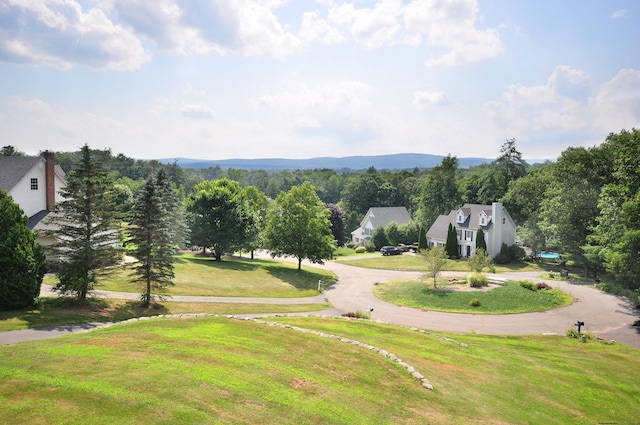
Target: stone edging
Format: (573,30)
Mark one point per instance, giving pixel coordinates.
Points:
(416,375)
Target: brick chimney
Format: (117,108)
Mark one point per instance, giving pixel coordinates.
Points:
(50,179)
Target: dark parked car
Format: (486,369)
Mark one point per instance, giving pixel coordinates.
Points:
(390,250)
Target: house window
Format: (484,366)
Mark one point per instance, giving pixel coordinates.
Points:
(483,221)
(34,184)
(504,220)
(468,235)
(460,217)
(459,234)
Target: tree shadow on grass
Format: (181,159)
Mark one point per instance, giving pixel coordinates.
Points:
(55,312)
(287,273)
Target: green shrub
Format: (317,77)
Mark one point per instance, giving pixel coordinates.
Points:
(474,302)
(572,333)
(361,250)
(358,315)
(528,285)
(616,289)
(477,280)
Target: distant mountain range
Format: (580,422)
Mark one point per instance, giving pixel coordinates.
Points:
(401,161)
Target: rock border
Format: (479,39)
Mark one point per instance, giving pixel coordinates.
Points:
(414,373)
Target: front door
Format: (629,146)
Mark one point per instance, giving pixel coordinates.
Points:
(468,251)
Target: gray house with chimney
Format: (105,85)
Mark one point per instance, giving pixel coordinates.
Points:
(494,220)
(378,217)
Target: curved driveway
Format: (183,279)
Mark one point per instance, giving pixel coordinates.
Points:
(605,315)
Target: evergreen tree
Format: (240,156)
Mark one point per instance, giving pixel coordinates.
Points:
(422,240)
(22,262)
(153,237)
(480,242)
(175,213)
(452,242)
(86,231)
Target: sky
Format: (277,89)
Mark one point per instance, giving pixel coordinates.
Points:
(227,79)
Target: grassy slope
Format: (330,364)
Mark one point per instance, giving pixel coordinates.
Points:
(218,370)
(233,277)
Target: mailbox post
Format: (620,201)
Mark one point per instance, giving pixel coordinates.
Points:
(580,324)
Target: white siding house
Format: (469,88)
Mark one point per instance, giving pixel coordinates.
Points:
(494,220)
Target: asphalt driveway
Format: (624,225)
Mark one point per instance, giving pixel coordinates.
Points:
(605,315)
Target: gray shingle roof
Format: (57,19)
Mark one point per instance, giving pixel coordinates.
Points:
(382,216)
(14,168)
(439,228)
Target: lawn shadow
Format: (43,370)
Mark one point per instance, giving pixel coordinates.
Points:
(61,312)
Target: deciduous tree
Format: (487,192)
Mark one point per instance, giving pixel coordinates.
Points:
(22,262)
(298,225)
(435,260)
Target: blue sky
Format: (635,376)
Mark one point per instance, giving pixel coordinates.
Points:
(229,79)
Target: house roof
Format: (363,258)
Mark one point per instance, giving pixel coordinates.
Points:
(439,228)
(14,168)
(382,216)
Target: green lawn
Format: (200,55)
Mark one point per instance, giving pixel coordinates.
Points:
(59,311)
(232,277)
(510,298)
(223,371)
(409,261)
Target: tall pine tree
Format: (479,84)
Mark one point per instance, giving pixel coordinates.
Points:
(86,229)
(154,236)
(480,241)
(452,242)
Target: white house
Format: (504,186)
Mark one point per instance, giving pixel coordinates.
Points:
(378,217)
(494,220)
(33,182)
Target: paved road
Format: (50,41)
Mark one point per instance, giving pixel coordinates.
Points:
(605,315)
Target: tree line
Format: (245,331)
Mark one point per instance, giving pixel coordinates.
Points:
(585,204)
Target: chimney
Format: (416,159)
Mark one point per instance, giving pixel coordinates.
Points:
(50,179)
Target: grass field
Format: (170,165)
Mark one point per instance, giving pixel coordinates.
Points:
(510,298)
(223,371)
(409,261)
(59,311)
(232,277)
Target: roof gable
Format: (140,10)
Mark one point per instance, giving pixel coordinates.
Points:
(14,168)
(382,216)
(472,220)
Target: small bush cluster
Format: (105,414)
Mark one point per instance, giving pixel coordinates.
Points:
(358,315)
(477,280)
(361,250)
(528,285)
(474,302)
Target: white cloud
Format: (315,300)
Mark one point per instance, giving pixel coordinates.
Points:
(567,103)
(341,111)
(244,27)
(619,14)
(196,111)
(448,26)
(425,98)
(59,33)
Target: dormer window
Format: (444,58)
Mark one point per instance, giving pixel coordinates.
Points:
(460,217)
(483,220)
